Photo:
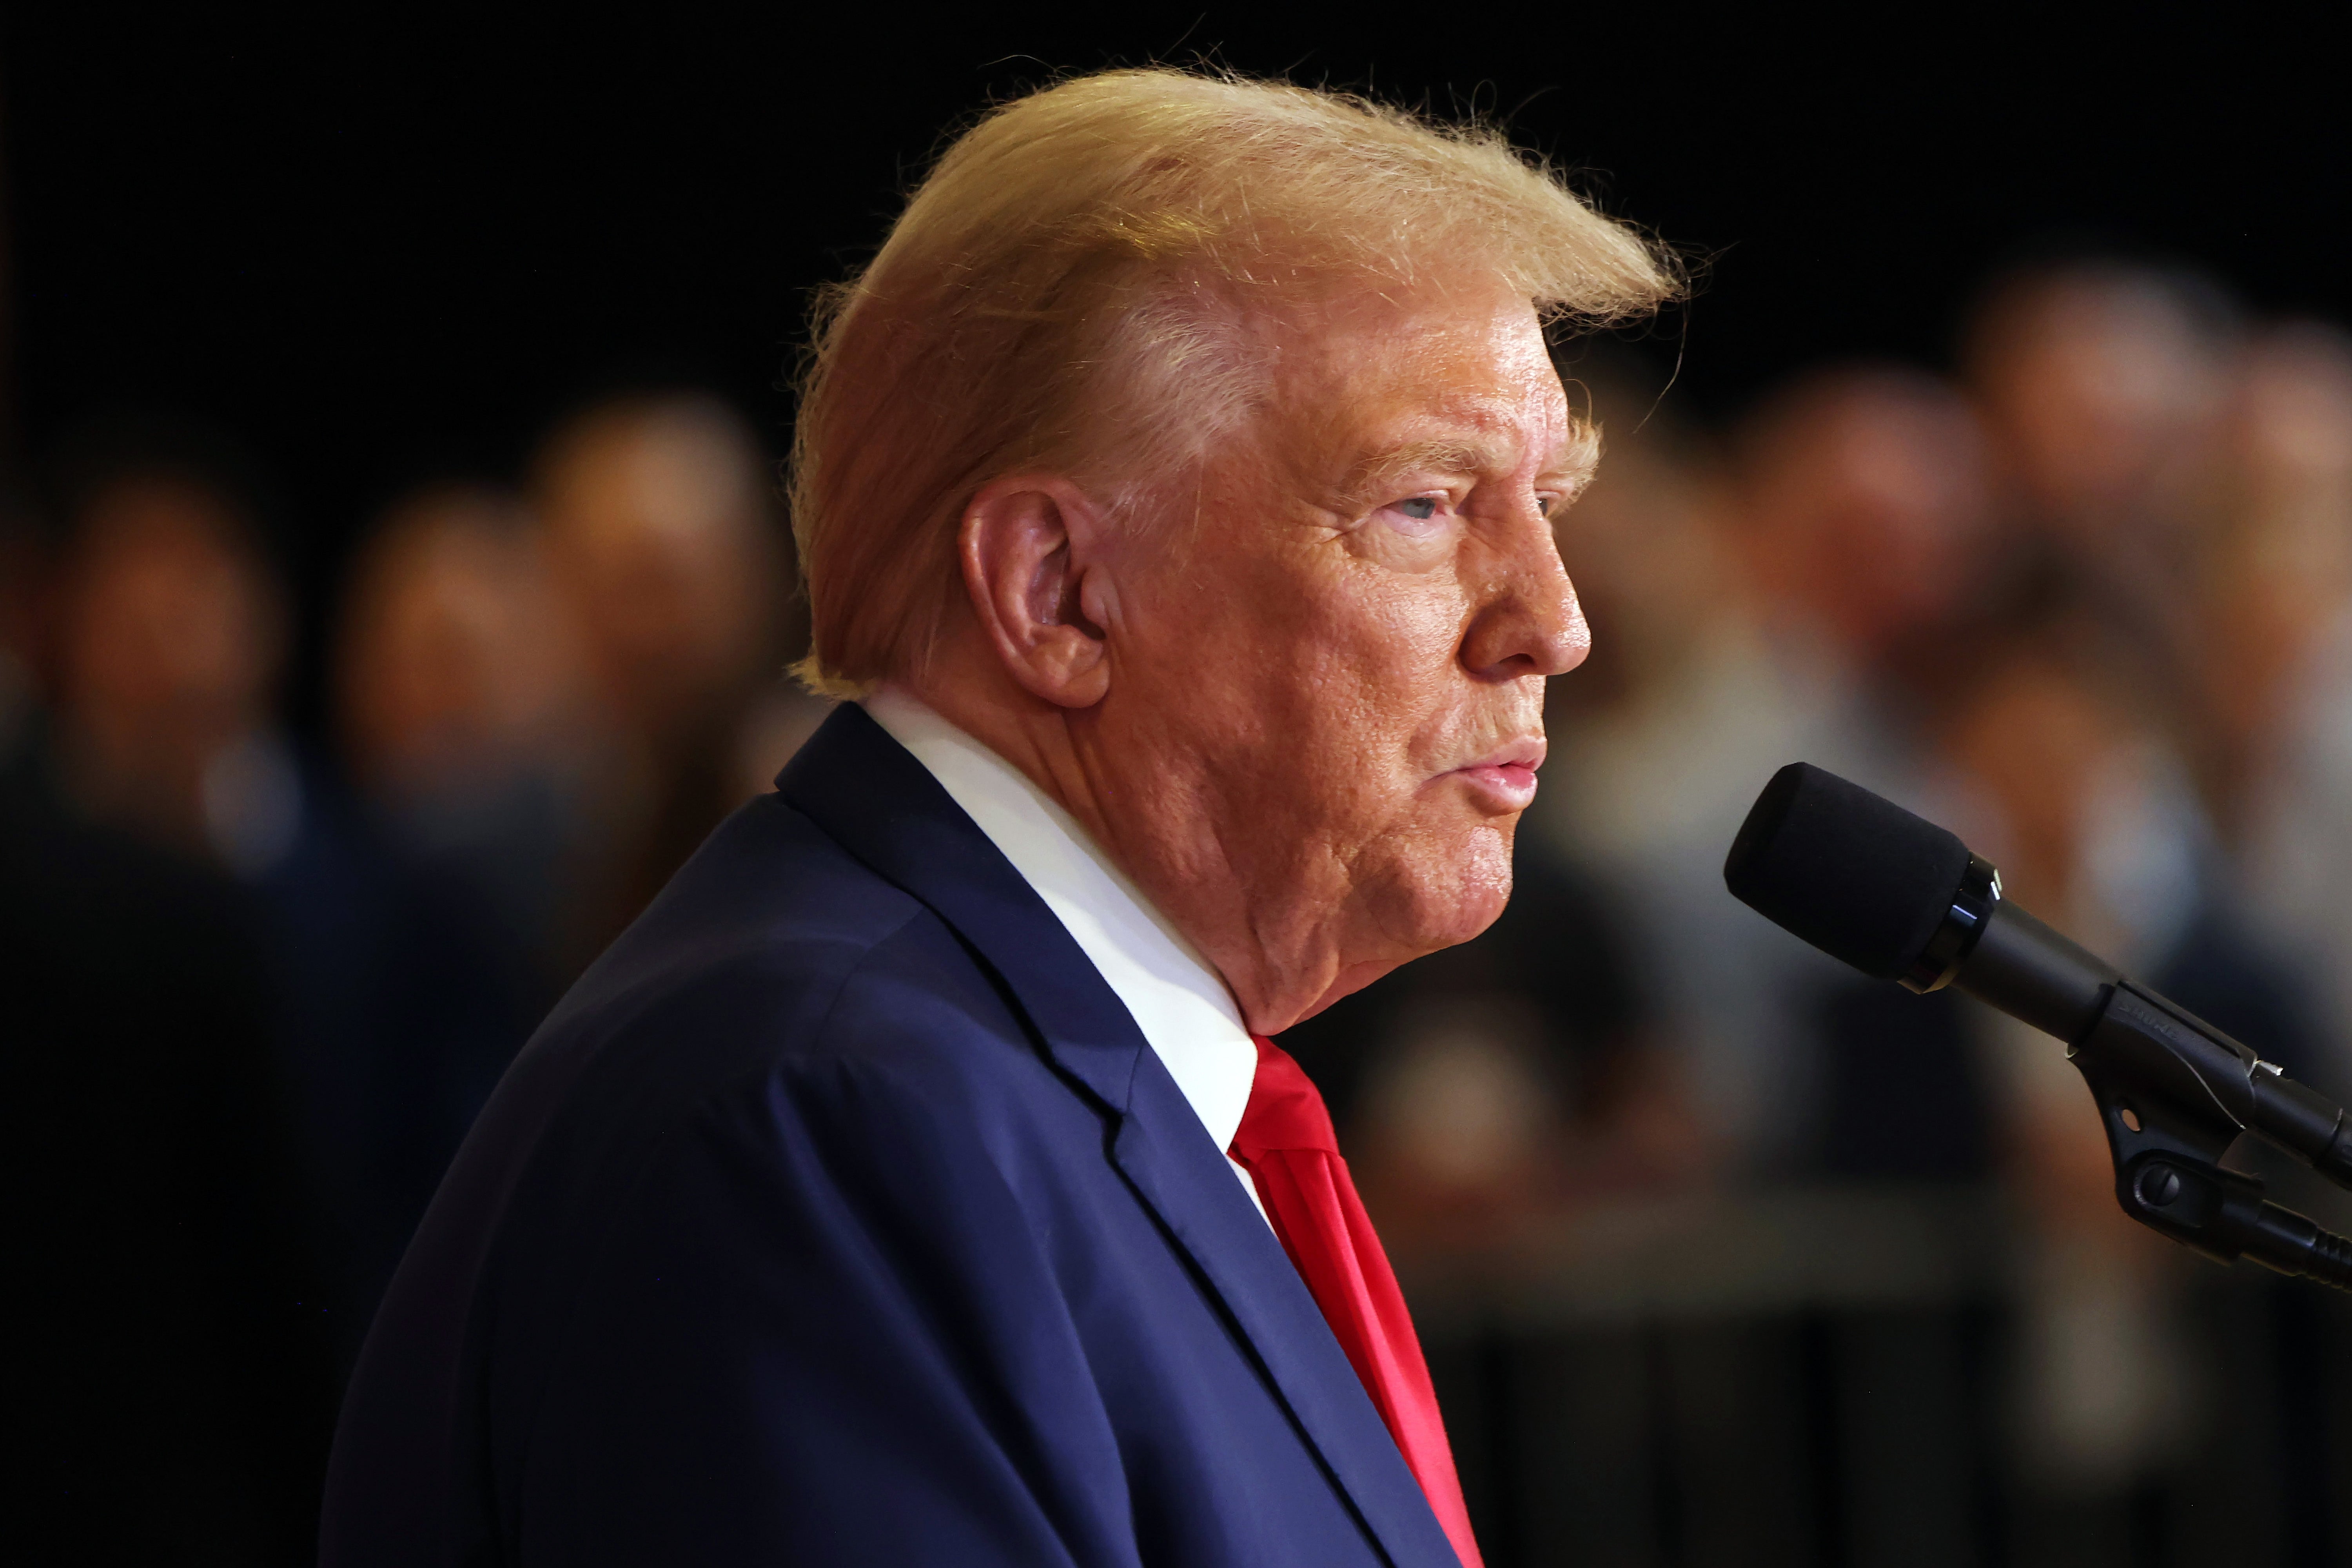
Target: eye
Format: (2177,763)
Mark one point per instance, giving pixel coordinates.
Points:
(1422,516)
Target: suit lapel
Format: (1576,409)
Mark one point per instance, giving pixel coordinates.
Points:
(1169,1159)
(883,806)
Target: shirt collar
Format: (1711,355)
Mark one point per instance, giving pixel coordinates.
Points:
(1180,1004)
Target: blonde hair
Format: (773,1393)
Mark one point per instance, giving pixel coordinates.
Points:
(1065,290)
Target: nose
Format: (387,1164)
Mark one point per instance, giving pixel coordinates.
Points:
(1528,621)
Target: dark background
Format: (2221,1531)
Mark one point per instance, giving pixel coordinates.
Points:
(383,250)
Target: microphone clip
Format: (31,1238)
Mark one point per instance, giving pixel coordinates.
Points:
(2173,1094)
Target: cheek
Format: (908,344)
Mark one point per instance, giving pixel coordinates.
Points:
(1320,673)
(1391,636)
(1392,667)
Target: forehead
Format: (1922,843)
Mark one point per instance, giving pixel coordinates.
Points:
(156,518)
(1369,369)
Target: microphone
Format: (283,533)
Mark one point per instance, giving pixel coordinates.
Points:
(1901,899)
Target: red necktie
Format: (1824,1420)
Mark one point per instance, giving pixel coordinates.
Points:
(1286,1144)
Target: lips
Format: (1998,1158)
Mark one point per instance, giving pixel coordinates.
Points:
(1505,778)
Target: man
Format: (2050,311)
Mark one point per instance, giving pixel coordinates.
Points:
(659,520)
(390,999)
(170,1386)
(1174,491)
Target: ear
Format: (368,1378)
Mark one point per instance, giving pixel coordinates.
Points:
(1031,549)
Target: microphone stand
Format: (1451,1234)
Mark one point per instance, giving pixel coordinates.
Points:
(1837,867)
(2173,1093)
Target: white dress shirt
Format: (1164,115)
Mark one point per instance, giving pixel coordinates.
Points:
(1179,1002)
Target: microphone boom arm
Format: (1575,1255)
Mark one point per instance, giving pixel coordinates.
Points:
(2173,1091)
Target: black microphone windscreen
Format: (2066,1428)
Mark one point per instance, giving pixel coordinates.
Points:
(1858,877)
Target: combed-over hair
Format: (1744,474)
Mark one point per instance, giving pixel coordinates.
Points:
(1063,289)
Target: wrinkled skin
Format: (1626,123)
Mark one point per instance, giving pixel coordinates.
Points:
(1300,700)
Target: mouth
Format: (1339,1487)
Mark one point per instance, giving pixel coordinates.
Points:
(1505,779)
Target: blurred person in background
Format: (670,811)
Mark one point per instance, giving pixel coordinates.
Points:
(461,706)
(2103,383)
(2277,611)
(669,567)
(1633,788)
(1867,520)
(169,1382)
(170,633)
(1742,619)
(2066,778)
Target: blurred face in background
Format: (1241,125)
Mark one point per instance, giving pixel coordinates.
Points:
(2279,573)
(1865,503)
(2033,740)
(2098,386)
(455,667)
(663,559)
(1645,548)
(2039,747)
(170,633)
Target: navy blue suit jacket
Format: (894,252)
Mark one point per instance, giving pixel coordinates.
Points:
(841,1215)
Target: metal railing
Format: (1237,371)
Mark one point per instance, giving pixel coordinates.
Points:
(1832,1377)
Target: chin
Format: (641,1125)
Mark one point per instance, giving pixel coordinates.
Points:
(1452,898)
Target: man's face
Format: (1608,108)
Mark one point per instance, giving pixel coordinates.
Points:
(168,641)
(1333,654)
(2096,390)
(654,540)
(168,629)
(1867,513)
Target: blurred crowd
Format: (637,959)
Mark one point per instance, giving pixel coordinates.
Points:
(2088,600)
(266,980)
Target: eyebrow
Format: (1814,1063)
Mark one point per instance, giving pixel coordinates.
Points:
(1384,470)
